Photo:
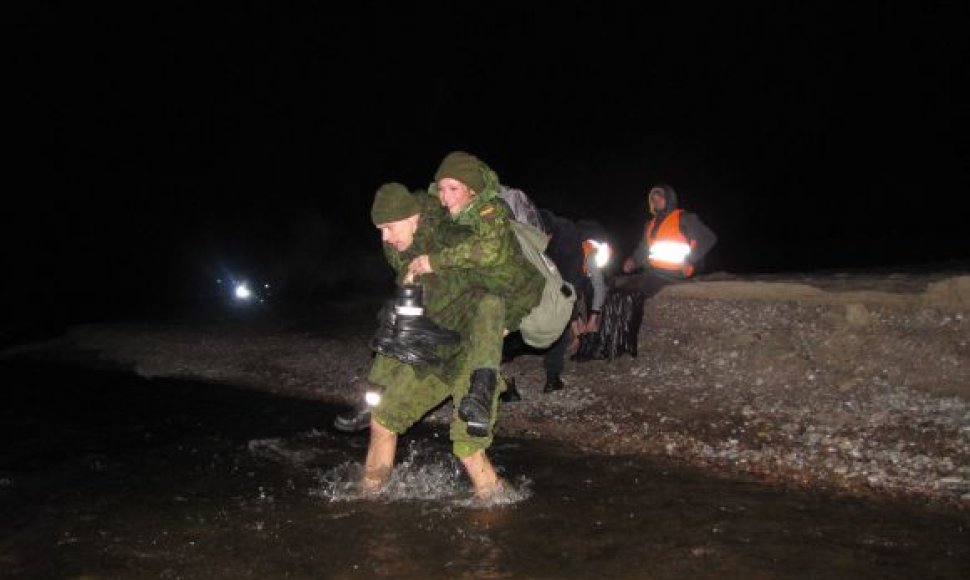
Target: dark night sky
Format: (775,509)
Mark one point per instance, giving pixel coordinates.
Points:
(166,144)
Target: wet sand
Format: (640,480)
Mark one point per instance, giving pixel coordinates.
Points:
(105,474)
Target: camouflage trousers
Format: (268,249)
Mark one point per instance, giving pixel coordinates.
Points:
(411,392)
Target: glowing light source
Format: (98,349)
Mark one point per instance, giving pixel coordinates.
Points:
(243,292)
(372,398)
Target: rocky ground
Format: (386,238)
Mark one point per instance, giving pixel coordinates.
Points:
(853,383)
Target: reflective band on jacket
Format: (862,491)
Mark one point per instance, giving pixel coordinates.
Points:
(409,310)
(669,247)
(672,252)
(588,249)
(603,253)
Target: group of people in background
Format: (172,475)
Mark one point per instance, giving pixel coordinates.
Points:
(470,290)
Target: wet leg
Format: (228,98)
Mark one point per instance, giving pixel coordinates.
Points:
(485,481)
(380,457)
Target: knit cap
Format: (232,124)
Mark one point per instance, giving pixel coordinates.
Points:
(464,167)
(393,202)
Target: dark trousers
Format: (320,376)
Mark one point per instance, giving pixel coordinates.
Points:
(553,358)
(554,361)
(648,282)
(622,314)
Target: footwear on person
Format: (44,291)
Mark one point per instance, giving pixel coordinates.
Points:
(553,383)
(353,421)
(475,408)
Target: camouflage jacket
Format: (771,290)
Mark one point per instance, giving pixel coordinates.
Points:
(446,295)
(490,257)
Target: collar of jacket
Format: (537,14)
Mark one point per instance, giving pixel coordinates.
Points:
(471,212)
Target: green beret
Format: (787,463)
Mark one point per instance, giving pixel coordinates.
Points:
(464,167)
(393,202)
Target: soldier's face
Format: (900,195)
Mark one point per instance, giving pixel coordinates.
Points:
(454,195)
(399,234)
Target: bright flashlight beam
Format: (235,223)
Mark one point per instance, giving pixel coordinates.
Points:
(243,292)
(372,398)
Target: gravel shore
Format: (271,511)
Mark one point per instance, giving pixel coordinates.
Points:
(858,384)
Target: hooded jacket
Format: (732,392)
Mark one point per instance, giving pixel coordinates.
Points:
(490,257)
(670,227)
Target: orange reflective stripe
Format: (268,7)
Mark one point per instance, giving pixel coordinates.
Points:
(588,250)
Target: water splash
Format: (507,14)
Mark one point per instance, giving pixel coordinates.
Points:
(420,476)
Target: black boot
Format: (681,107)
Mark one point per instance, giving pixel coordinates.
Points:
(385,325)
(475,408)
(511,394)
(410,323)
(385,341)
(406,334)
(553,383)
(353,421)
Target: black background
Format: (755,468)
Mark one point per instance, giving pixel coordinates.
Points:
(167,144)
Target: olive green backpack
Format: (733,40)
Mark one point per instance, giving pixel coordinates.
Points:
(547,320)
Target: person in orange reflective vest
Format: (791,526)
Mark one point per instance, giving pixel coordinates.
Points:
(674,241)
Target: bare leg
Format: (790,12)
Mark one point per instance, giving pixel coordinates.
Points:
(593,324)
(576,328)
(484,479)
(380,457)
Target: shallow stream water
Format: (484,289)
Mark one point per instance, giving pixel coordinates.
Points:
(107,475)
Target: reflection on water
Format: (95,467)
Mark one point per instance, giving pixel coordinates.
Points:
(104,475)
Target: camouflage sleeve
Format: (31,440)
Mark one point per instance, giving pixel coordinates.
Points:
(489,245)
(395,259)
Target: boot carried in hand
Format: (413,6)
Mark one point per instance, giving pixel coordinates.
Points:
(386,343)
(406,334)
(411,324)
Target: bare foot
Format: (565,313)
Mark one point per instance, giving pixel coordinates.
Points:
(373,481)
(491,492)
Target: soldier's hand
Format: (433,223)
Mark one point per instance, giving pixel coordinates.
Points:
(420,265)
(629,265)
